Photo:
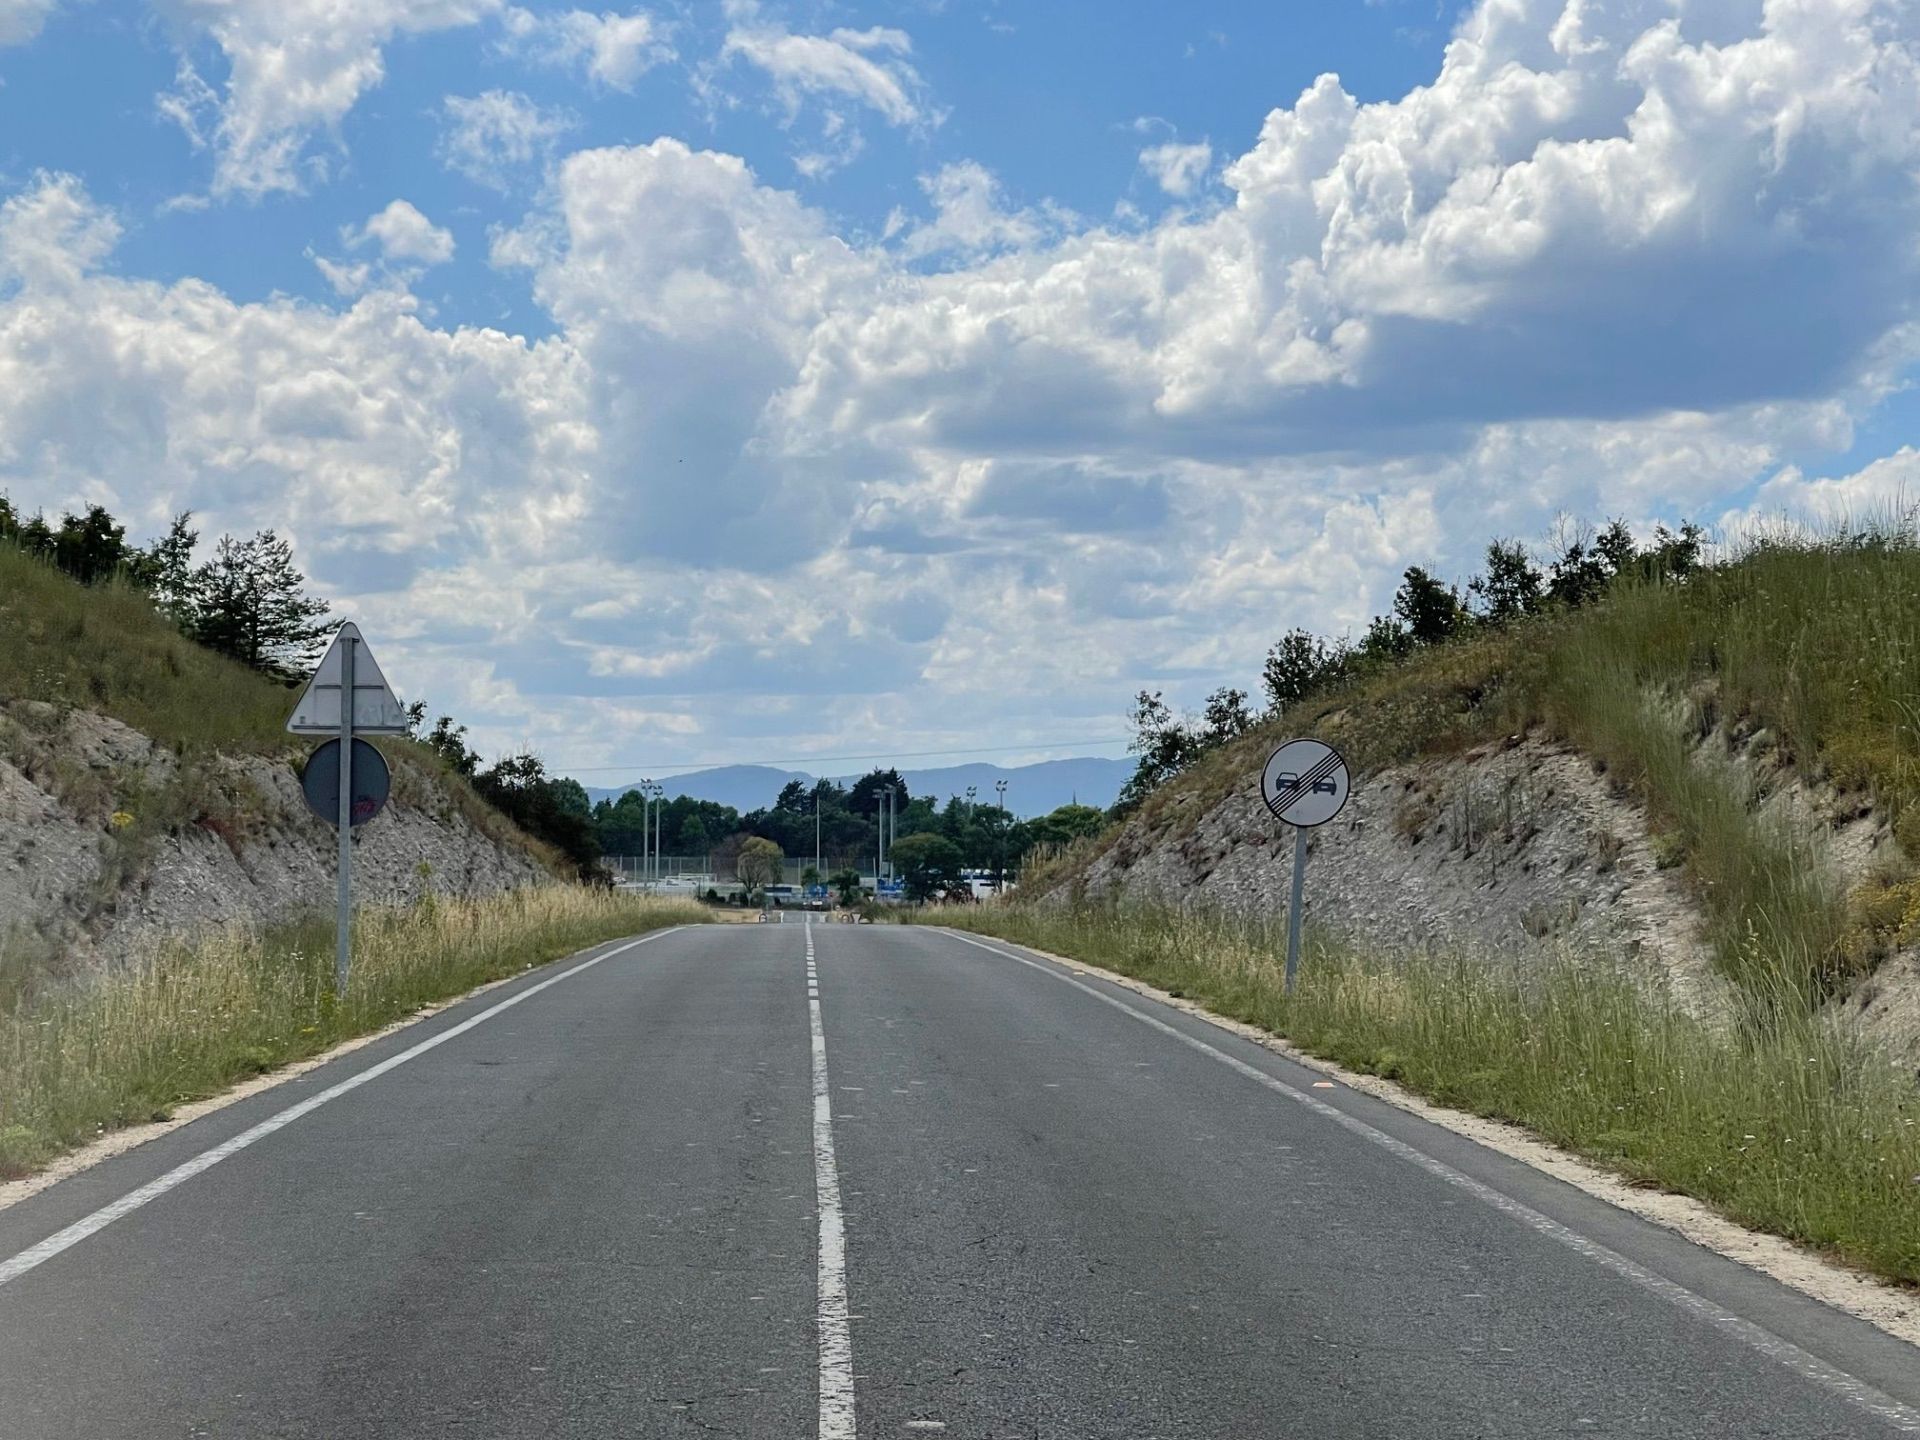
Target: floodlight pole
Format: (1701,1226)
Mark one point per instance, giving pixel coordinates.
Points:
(343,922)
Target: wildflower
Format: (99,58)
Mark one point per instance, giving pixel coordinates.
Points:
(121,820)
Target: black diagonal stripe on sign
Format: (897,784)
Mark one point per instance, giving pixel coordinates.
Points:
(1304,786)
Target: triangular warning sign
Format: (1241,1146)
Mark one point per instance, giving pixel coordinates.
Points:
(376,709)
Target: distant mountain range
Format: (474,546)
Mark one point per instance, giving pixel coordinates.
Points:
(1031,789)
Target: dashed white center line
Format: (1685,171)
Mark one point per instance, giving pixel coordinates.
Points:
(836,1335)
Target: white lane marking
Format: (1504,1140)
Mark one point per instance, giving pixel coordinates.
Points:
(34,1255)
(1857,1393)
(836,1332)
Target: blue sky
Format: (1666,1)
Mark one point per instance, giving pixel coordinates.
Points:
(761,380)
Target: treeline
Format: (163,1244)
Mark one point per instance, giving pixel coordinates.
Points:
(934,840)
(1515,586)
(247,601)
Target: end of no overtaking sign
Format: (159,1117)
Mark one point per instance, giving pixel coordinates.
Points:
(1305,783)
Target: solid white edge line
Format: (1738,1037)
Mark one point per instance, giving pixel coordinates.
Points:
(36,1255)
(836,1334)
(1808,1366)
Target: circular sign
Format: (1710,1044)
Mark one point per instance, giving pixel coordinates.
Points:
(1305,783)
(372,782)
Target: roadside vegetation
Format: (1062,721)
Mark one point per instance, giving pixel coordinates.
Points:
(1789,1126)
(1702,684)
(1696,681)
(129,1045)
(203,657)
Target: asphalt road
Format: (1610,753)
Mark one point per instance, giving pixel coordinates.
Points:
(1024,1202)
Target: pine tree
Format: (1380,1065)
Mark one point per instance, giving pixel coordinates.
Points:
(253,606)
(165,571)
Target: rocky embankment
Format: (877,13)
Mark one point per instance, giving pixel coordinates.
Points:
(109,842)
(1509,850)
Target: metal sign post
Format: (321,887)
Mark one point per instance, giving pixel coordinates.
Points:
(1305,783)
(361,703)
(343,918)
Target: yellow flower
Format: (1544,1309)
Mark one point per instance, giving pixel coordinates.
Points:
(121,820)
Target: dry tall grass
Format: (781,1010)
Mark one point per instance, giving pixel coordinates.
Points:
(1790,1125)
(129,1045)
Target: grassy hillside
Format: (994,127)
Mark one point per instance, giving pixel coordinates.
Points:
(103,648)
(1805,647)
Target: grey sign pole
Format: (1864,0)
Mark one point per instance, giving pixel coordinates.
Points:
(343,933)
(1296,908)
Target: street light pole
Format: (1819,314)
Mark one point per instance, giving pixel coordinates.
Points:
(1000,846)
(646,825)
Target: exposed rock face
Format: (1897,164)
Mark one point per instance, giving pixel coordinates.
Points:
(1510,851)
(1506,850)
(108,842)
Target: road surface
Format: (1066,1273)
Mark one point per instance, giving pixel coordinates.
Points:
(680,1188)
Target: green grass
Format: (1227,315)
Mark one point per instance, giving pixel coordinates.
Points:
(1790,1127)
(103,648)
(128,1046)
(1811,641)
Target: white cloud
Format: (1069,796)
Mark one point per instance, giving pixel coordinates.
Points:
(22,20)
(1610,261)
(970,217)
(52,234)
(404,236)
(1178,169)
(868,66)
(295,69)
(615,50)
(486,137)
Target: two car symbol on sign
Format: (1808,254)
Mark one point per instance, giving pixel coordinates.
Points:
(1287,780)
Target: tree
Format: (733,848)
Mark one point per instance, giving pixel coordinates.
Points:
(1386,639)
(1616,549)
(1578,574)
(1672,557)
(1430,611)
(519,787)
(571,796)
(846,883)
(810,876)
(760,863)
(449,742)
(165,571)
(253,606)
(1511,588)
(1165,745)
(1300,664)
(90,547)
(929,864)
(1226,716)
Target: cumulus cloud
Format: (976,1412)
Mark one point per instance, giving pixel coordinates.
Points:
(22,20)
(1178,169)
(489,136)
(404,236)
(970,216)
(1617,258)
(614,50)
(295,69)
